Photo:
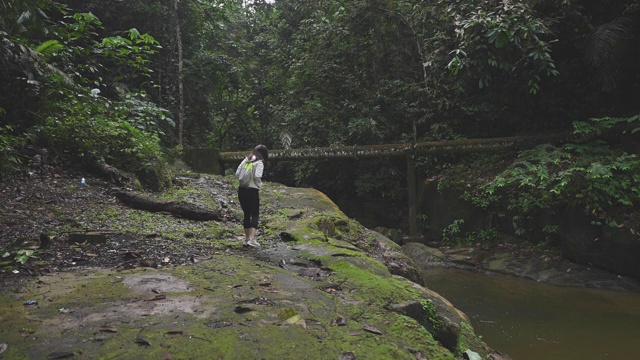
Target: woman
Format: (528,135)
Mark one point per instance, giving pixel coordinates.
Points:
(248,193)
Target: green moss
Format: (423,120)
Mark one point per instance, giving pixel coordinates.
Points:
(409,333)
(14,316)
(384,335)
(383,290)
(236,299)
(469,340)
(432,314)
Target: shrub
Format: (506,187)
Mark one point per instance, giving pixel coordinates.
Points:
(91,129)
(588,174)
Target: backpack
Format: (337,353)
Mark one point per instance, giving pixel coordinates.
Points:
(246,174)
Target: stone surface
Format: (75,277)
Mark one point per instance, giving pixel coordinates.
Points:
(616,249)
(320,286)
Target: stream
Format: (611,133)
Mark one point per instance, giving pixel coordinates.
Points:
(528,320)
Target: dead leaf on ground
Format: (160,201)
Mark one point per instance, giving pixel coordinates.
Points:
(340,321)
(373,330)
(295,320)
(292,320)
(142,342)
(107,328)
(263,301)
(156,297)
(61,355)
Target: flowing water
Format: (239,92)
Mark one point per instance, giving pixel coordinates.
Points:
(528,320)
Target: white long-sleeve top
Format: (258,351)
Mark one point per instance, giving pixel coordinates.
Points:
(258,168)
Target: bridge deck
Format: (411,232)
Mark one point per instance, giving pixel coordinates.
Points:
(393,150)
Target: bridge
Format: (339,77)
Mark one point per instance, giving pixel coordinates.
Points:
(201,162)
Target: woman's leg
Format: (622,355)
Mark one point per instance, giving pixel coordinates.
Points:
(244,196)
(254,209)
(250,203)
(255,217)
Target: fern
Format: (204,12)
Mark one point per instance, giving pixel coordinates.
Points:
(285,139)
(49,48)
(605,51)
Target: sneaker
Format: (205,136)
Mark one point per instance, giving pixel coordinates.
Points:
(253,243)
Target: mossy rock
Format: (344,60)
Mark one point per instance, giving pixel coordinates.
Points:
(154,176)
(326,292)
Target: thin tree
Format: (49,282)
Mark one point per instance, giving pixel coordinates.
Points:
(178,39)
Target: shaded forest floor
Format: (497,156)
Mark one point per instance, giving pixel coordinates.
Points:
(50,222)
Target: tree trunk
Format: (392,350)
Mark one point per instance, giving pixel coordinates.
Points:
(178,35)
(180,209)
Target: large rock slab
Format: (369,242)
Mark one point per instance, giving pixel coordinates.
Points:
(616,249)
(320,286)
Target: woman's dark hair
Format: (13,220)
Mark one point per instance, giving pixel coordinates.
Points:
(261,152)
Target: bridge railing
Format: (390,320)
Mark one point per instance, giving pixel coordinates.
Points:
(394,150)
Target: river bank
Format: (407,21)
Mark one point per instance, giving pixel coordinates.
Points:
(526,262)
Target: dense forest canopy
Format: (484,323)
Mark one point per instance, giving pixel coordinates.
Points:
(129,83)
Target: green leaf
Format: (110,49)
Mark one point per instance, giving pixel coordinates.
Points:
(49,48)
(287,314)
(472,355)
(133,33)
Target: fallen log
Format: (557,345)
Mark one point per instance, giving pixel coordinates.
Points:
(177,208)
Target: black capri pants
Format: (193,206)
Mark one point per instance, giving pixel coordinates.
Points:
(250,203)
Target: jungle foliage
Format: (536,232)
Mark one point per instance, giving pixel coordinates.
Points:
(107,81)
(588,175)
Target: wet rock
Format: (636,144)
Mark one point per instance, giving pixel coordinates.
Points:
(396,261)
(614,249)
(444,324)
